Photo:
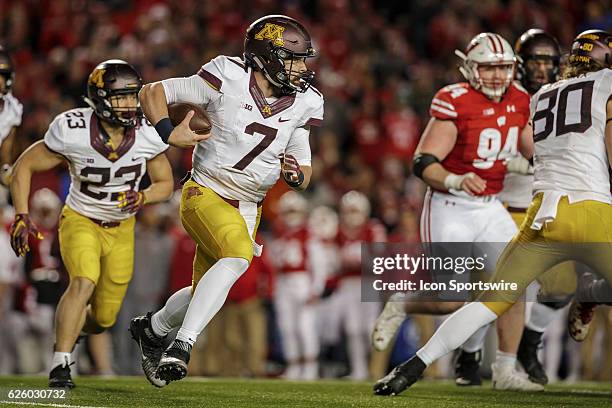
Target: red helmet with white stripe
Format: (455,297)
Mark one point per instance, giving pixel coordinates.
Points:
(487,49)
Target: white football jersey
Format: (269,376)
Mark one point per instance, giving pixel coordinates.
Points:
(517,191)
(98,172)
(10,115)
(240,160)
(569,120)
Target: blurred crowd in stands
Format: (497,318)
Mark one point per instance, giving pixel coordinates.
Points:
(379,65)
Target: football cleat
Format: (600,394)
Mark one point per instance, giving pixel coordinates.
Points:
(173,363)
(401,377)
(60,377)
(389,322)
(528,356)
(151,347)
(579,319)
(467,368)
(505,377)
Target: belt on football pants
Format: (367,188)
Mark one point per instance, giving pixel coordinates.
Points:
(516,209)
(233,203)
(106,224)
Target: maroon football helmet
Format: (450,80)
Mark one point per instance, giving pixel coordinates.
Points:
(536,44)
(592,46)
(272,40)
(108,79)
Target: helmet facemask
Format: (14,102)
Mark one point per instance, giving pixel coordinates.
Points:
(284,77)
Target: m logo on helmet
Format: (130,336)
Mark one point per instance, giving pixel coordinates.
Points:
(271,32)
(97,78)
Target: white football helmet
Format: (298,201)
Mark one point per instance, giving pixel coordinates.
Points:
(293,209)
(323,222)
(354,209)
(487,49)
(45,207)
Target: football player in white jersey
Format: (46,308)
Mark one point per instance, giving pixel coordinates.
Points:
(261,108)
(539,57)
(10,115)
(108,147)
(570,217)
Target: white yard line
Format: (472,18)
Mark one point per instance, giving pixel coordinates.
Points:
(46,404)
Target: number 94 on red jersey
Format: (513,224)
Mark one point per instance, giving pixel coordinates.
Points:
(487,131)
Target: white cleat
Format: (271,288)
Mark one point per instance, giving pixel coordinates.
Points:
(579,319)
(506,377)
(389,321)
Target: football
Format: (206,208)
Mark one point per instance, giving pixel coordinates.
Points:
(199,123)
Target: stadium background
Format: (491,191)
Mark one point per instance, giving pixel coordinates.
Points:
(378,68)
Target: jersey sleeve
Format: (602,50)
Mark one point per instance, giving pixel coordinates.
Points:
(442,106)
(152,145)
(299,146)
(54,138)
(314,113)
(189,90)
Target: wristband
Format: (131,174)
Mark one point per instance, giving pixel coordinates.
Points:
(295,184)
(164,128)
(453,181)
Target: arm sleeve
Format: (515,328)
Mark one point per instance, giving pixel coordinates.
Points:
(299,146)
(442,106)
(201,88)
(191,90)
(314,115)
(54,138)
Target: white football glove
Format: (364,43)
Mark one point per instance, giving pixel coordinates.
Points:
(519,165)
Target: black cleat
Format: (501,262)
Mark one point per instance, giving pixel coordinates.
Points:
(401,377)
(528,356)
(173,363)
(60,377)
(467,366)
(151,347)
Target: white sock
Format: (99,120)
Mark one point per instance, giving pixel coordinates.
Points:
(456,330)
(60,359)
(173,312)
(209,296)
(476,340)
(505,359)
(540,317)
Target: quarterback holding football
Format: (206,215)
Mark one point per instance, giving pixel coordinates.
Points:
(261,108)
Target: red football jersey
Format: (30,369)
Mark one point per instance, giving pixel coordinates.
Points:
(349,244)
(487,132)
(293,250)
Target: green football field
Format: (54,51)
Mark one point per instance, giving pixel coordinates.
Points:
(136,392)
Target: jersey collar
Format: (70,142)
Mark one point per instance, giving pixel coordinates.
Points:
(97,139)
(268,109)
